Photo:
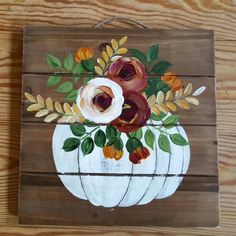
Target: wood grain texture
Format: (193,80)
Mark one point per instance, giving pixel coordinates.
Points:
(180,48)
(212,15)
(177,47)
(37,84)
(37,142)
(42,192)
(216,15)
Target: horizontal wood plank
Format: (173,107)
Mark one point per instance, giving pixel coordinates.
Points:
(203,114)
(190,53)
(53,204)
(36,149)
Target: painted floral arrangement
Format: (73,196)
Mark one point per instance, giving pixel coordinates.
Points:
(127,93)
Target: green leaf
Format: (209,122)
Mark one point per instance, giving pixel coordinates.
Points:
(111,132)
(161,67)
(164,143)
(155,85)
(89,123)
(53,80)
(87,146)
(152,53)
(170,121)
(68,62)
(162,86)
(78,69)
(53,61)
(88,65)
(78,130)
(158,117)
(149,138)
(137,134)
(178,139)
(71,96)
(151,88)
(76,78)
(71,144)
(65,87)
(118,143)
(139,55)
(132,144)
(100,138)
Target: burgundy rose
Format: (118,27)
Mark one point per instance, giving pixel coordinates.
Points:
(135,112)
(129,73)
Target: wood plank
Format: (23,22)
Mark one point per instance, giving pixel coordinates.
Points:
(36,84)
(36,151)
(59,42)
(52,204)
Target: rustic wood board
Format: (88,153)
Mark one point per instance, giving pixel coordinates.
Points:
(44,199)
(195,47)
(51,202)
(36,84)
(203,160)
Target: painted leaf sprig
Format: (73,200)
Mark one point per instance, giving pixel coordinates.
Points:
(166,138)
(53,111)
(74,70)
(181,98)
(116,49)
(87,140)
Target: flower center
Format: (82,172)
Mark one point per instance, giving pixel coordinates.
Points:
(129,111)
(127,71)
(102,101)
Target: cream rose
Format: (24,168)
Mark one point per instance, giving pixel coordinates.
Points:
(100,100)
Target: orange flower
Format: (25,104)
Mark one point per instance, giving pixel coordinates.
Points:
(170,79)
(83,54)
(112,153)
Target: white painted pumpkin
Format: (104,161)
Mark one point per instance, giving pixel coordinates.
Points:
(120,190)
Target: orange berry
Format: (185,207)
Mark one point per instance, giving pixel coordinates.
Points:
(83,54)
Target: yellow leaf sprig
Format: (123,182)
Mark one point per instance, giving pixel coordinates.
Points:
(172,100)
(54,111)
(116,49)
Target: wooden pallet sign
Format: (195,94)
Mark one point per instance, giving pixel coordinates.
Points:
(118,128)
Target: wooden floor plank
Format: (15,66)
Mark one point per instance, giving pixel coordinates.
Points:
(216,15)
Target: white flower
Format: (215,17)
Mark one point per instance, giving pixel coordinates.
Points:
(100,100)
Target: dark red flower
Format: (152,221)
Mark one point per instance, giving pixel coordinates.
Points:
(139,154)
(129,73)
(135,112)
